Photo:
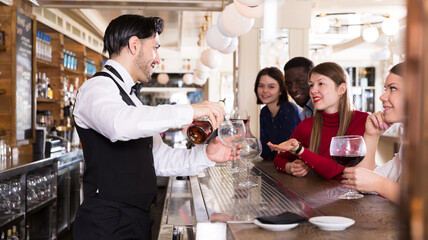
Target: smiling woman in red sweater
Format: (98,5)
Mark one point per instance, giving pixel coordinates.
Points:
(309,144)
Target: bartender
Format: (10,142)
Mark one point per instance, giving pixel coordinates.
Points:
(122,148)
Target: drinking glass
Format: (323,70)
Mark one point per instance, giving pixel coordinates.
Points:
(232,133)
(251,149)
(348,151)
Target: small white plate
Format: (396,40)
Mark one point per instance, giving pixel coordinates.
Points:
(332,223)
(275,227)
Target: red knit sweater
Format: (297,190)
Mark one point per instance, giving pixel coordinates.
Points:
(321,162)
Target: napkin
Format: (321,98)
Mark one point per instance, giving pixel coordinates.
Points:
(283,218)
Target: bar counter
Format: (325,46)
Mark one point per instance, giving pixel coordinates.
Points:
(375,217)
(214,202)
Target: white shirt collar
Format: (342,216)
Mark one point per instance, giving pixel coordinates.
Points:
(128,81)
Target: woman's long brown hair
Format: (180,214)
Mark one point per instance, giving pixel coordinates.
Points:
(336,73)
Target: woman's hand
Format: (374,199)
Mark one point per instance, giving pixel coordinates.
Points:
(376,125)
(287,146)
(361,179)
(297,168)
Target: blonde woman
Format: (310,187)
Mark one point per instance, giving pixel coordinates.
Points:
(383,180)
(309,144)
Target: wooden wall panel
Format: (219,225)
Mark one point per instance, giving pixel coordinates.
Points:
(415,177)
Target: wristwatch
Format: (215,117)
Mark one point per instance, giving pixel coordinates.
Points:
(298,149)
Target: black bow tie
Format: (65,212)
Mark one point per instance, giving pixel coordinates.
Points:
(136,88)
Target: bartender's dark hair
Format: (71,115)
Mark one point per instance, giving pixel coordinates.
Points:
(122,28)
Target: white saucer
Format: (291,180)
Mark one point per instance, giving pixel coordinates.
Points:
(332,223)
(275,227)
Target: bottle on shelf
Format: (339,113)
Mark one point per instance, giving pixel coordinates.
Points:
(2,236)
(41,85)
(65,57)
(49,49)
(38,44)
(14,233)
(53,129)
(9,234)
(49,91)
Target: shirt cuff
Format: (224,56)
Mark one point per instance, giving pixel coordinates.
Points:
(203,149)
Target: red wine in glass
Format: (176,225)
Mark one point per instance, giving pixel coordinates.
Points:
(347,161)
(348,151)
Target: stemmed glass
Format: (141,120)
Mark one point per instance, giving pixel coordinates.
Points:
(348,151)
(232,133)
(251,149)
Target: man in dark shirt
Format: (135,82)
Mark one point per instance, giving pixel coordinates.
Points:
(296,73)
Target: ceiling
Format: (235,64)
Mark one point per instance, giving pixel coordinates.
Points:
(184,18)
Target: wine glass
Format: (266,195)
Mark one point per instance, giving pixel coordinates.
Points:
(232,133)
(251,149)
(348,151)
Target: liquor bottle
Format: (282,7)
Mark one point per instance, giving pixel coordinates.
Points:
(2,236)
(49,89)
(201,129)
(53,129)
(9,234)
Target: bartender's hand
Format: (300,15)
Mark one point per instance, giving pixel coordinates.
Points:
(213,110)
(218,152)
(297,168)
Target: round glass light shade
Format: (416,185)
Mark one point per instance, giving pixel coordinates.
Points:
(321,25)
(163,78)
(249,11)
(216,39)
(201,67)
(188,78)
(370,34)
(232,47)
(390,26)
(251,2)
(202,75)
(211,58)
(199,81)
(234,23)
(221,28)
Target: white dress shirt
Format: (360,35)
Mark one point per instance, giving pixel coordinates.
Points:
(391,169)
(100,107)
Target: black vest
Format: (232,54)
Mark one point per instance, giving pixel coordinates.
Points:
(122,171)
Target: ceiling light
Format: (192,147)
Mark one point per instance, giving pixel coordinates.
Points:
(232,47)
(370,34)
(211,58)
(249,11)
(390,26)
(234,23)
(216,40)
(163,78)
(321,25)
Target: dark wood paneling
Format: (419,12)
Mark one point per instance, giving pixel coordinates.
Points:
(415,179)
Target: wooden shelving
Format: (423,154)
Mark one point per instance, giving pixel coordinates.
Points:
(60,76)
